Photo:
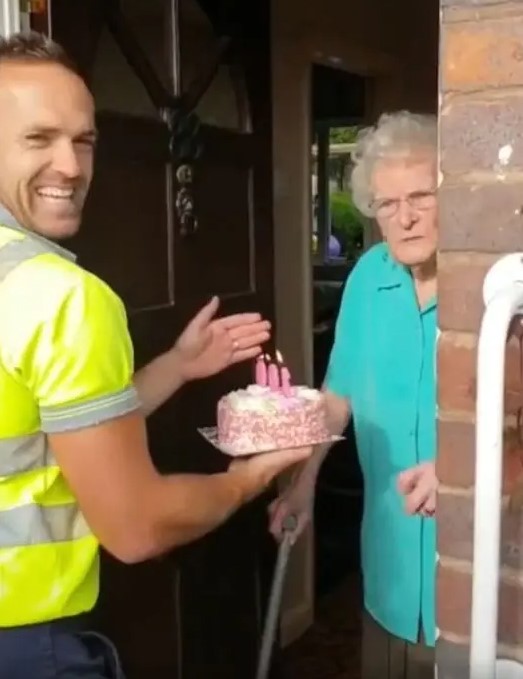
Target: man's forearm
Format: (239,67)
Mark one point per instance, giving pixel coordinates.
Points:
(186,507)
(158,381)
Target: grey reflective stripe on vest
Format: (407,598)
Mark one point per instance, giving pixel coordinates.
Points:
(15,252)
(32,524)
(38,525)
(22,454)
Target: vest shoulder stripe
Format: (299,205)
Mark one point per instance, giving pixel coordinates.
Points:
(13,253)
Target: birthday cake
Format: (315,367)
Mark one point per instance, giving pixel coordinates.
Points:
(271,414)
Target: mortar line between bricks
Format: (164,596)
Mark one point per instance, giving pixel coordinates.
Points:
(461,416)
(506,650)
(469,417)
(451,16)
(467,492)
(452,638)
(447,258)
(511,576)
(479,178)
(456,491)
(456,565)
(511,651)
(507,575)
(483,95)
(464,338)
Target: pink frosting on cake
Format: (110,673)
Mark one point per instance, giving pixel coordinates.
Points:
(257,419)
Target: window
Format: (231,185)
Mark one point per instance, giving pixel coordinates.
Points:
(116,87)
(225,103)
(338,228)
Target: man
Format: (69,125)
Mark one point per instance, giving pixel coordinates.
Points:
(75,470)
(382,372)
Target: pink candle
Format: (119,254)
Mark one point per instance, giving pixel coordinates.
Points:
(274,377)
(285,376)
(286,382)
(261,371)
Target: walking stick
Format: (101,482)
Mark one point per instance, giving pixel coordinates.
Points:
(273,610)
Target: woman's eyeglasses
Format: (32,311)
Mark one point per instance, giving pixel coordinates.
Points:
(418,201)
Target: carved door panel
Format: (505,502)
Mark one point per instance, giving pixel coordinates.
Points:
(180,209)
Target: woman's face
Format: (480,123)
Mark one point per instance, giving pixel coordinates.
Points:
(405,207)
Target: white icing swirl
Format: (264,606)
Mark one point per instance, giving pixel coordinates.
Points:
(308,393)
(255,398)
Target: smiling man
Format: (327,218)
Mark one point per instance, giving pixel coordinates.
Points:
(75,470)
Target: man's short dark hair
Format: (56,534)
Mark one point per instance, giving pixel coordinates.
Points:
(34,48)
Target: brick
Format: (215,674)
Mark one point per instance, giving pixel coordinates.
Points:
(510,625)
(484,218)
(514,376)
(474,132)
(512,460)
(460,290)
(456,453)
(457,373)
(454,599)
(455,526)
(452,660)
(482,54)
(512,540)
(456,531)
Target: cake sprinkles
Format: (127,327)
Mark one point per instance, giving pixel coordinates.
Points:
(271,414)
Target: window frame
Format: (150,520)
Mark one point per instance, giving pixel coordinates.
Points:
(321,155)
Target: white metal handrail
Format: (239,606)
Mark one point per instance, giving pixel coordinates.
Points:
(503,296)
(9,17)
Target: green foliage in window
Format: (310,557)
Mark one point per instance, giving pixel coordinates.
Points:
(347,223)
(343,135)
(338,166)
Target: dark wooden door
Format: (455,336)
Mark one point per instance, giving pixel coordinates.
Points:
(196,613)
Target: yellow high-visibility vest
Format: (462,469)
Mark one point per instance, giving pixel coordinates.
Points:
(66,362)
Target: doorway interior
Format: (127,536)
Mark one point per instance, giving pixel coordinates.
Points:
(339,109)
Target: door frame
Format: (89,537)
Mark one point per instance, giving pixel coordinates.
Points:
(292,61)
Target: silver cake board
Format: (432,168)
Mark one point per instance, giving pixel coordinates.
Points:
(210,434)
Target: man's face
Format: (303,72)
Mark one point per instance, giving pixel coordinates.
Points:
(405,207)
(47,143)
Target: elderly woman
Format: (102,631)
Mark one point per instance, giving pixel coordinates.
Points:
(382,372)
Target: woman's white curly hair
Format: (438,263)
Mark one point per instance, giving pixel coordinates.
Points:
(396,135)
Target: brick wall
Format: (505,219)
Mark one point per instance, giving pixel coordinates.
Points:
(481,110)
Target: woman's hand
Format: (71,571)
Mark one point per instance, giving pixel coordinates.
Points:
(419,487)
